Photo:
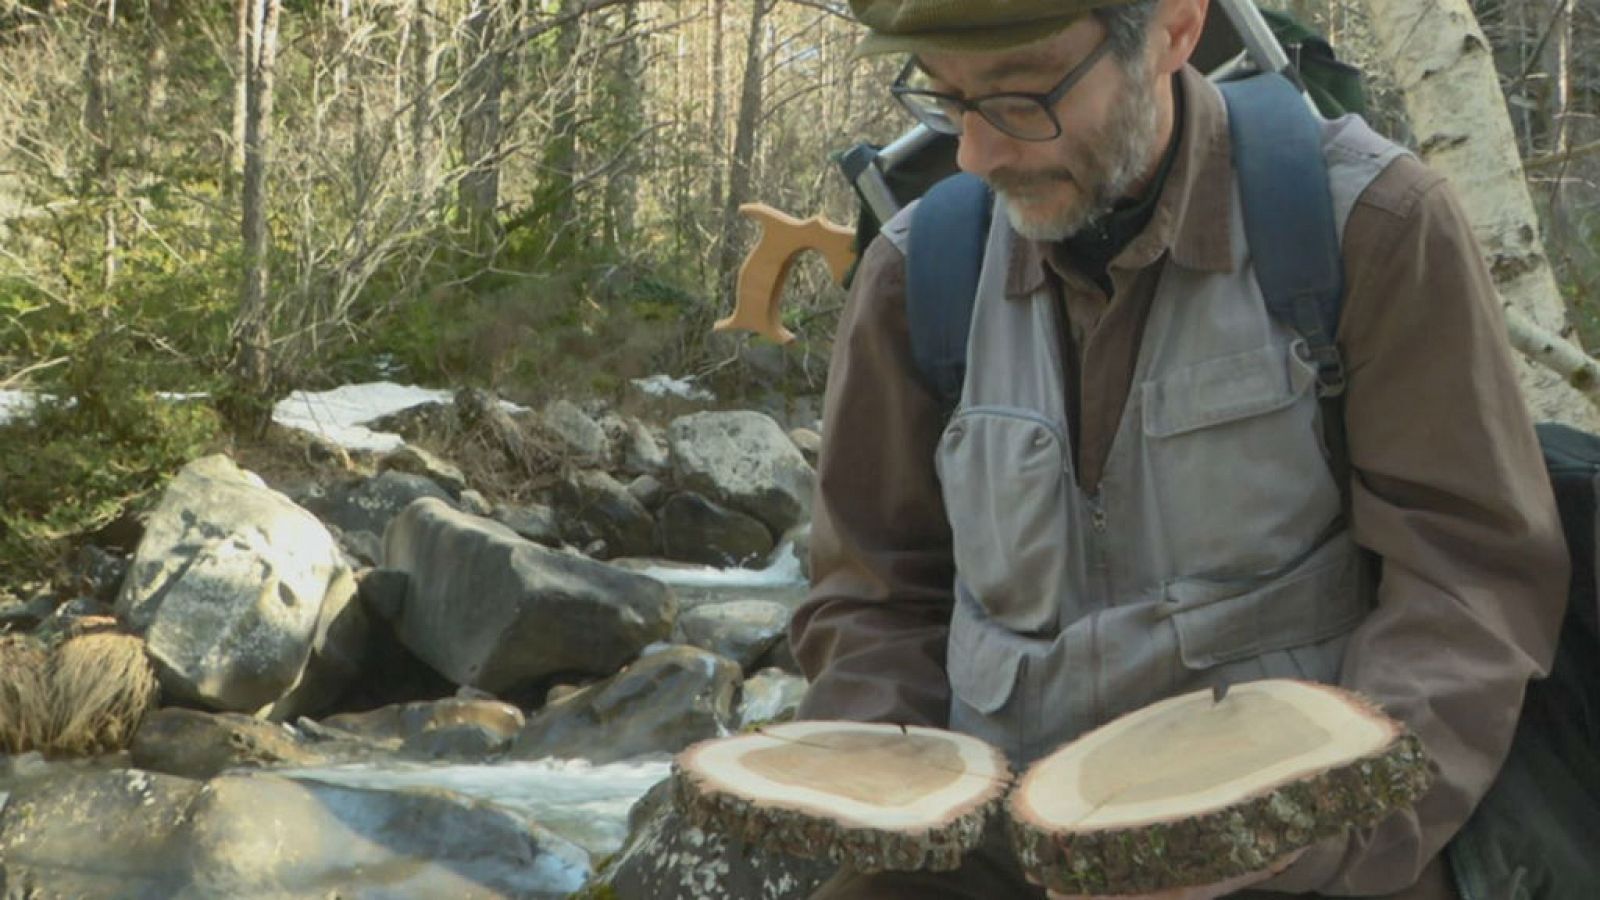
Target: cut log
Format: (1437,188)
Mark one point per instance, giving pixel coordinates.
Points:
(876,797)
(1193,791)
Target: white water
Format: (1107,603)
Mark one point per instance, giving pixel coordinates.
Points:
(584,803)
(783,572)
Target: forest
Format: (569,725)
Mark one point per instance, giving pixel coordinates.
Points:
(206,205)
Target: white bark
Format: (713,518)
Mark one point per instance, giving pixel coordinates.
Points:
(1445,71)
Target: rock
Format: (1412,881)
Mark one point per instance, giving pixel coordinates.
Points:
(370,504)
(799,540)
(475,503)
(403,721)
(584,442)
(641,452)
(413,460)
(488,609)
(693,529)
(229,589)
(194,744)
(744,461)
(741,630)
(113,833)
(536,523)
(595,506)
(780,657)
(770,695)
(661,704)
(97,572)
(648,490)
(415,423)
(457,742)
(666,858)
(383,592)
(133,834)
(808,442)
(340,651)
(25,615)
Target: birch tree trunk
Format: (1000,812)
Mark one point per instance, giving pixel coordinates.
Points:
(1444,68)
(252,363)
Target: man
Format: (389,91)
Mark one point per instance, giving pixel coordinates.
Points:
(1131,499)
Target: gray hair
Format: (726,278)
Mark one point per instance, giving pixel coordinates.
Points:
(1127,28)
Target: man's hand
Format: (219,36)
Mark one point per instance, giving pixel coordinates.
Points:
(1199,892)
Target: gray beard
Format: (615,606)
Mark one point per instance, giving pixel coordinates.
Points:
(1114,164)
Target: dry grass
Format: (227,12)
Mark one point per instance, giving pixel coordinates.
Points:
(24,695)
(101,688)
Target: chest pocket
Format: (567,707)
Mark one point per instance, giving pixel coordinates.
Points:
(1233,450)
(1003,474)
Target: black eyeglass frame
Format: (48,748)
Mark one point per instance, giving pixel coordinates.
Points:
(1046,101)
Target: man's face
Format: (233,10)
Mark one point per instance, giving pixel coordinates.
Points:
(1110,122)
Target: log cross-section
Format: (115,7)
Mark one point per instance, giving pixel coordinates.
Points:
(1193,790)
(876,797)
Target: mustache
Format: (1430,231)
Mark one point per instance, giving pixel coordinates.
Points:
(1009,180)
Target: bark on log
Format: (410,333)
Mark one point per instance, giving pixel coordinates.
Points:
(876,797)
(1193,791)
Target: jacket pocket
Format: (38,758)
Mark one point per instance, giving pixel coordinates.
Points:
(1003,473)
(1219,623)
(1226,389)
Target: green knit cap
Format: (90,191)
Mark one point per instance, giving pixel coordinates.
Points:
(963,26)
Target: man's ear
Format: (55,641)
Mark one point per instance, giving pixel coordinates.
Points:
(1177,30)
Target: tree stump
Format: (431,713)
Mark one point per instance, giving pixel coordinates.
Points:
(1193,790)
(876,797)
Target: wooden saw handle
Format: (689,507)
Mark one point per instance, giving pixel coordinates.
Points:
(761,278)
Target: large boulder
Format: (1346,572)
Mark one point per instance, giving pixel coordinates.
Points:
(233,587)
(666,858)
(693,529)
(363,509)
(594,506)
(660,704)
(488,609)
(132,834)
(743,460)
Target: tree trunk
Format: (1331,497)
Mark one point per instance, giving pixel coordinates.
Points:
(558,178)
(1445,71)
(98,116)
(480,126)
(742,164)
(718,126)
(243,52)
(252,363)
(421,90)
(626,91)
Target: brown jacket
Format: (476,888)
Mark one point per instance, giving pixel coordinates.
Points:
(1448,489)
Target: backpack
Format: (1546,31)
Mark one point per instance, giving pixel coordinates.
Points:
(1533,835)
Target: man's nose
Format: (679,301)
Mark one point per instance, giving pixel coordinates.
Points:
(983,148)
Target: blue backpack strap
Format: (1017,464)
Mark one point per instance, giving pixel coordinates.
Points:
(1288,214)
(944,256)
(1293,233)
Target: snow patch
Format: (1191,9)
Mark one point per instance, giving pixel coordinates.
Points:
(340,414)
(667,386)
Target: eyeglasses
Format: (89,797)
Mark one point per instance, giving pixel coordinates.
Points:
(1026,117)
